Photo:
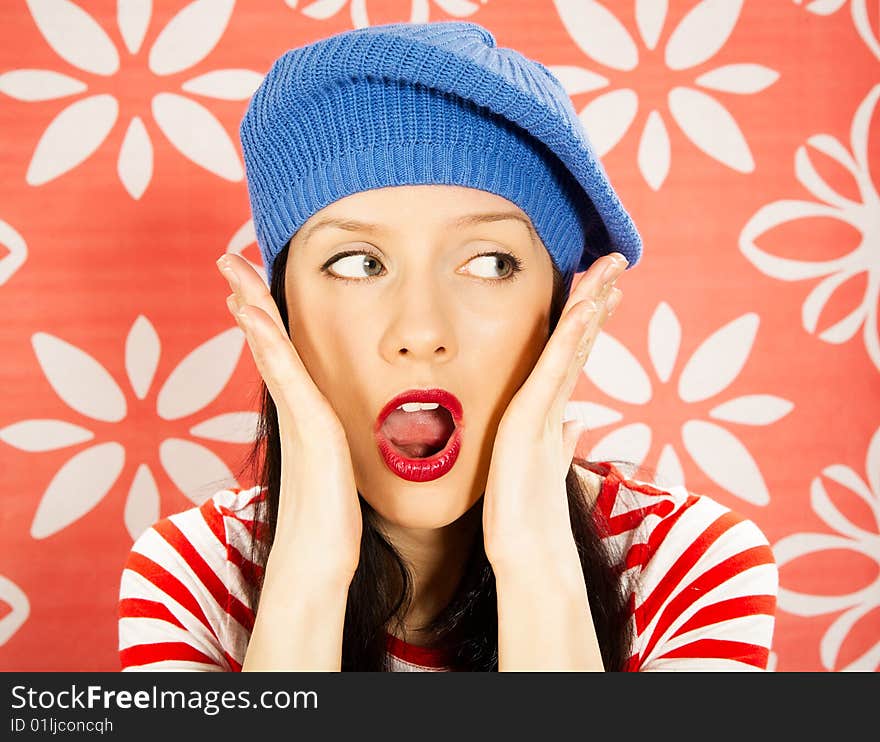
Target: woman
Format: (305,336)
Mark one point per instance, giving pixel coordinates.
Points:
(422,200)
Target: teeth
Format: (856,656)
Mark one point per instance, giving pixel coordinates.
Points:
(416,406)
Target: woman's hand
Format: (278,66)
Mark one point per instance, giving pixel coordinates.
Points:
(526,521)
(318,533)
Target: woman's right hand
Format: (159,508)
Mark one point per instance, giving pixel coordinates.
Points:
(318,533)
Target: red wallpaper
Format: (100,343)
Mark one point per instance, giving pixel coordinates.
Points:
(744,361)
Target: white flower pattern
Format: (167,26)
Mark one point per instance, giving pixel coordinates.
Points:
(849,537)
(860,16)
(714,365)
(702,118)
(82,127)
(862,215)
(420,10)
(90,390)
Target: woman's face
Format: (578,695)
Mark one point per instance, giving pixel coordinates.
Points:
(429,296)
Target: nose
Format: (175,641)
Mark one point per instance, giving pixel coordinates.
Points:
(420,328)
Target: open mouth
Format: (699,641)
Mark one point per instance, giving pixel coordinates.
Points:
(419,433)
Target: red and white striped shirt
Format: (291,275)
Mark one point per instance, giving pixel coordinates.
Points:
(701,578)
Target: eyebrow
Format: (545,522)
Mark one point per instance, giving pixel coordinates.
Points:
(469,220)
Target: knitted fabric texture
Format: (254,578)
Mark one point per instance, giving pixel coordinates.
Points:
(427,103)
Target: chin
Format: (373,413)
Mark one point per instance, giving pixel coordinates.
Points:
(434,504)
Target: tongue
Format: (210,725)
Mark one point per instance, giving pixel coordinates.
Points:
(418,434)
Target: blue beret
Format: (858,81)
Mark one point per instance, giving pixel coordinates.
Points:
(409,103)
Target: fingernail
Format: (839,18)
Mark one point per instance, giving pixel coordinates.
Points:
(231,277)
(615,268)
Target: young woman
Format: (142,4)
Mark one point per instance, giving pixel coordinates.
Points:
(422,200)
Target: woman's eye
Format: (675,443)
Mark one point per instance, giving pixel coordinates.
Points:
(487,264)
(356,265)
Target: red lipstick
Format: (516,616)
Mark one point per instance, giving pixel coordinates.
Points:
(431,467)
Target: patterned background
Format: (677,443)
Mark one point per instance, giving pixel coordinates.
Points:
(744,360)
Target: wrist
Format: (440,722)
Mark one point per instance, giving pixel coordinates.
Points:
(554,568)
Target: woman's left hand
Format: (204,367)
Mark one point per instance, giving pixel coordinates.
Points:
(525,509)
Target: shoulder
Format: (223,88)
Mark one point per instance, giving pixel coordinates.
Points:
(198,541)
(182,593)
(702,577)
(668,522)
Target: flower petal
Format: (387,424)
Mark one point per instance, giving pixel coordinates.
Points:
(230,427)
(75,36)
(825,508)
(650,17)
(321,10)
(44,435)
(82,382)
(701,33)
(806,605)
(142,351)
(196,471)
(772,215)
(591,415)
(818,298)
(142,503)
(670,472)
(655,153)
(19,609)
(739,78)
(77,487)
(194,131)
(832,640)
(866,29)
(872,463)
(846,477)
(458,8)
(725,460)
(35,85)
(861,125)
(608,117)
(190,36)
(630,443)
(664,340)
(135,164)
(753,409)
(577,80)
(844,330)
(809,177)
(598,33)
(719,359)
(133,18)
(72,137)
(824,7)
(232,84)
(201,376)
(17,251)
(831,146)
(617,372)
(711,128)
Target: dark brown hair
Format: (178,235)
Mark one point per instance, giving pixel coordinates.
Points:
(382,588)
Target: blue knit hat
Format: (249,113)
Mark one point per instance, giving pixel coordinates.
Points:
(413,103)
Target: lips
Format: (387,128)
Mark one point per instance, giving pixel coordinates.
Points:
(431,467)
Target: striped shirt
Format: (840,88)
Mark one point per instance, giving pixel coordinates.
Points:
(701,582)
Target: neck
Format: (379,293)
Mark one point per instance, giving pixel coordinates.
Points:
(436,558)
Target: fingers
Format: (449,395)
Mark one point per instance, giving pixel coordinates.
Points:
(276,359)
(248,287)
(598,281)
(552,381)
